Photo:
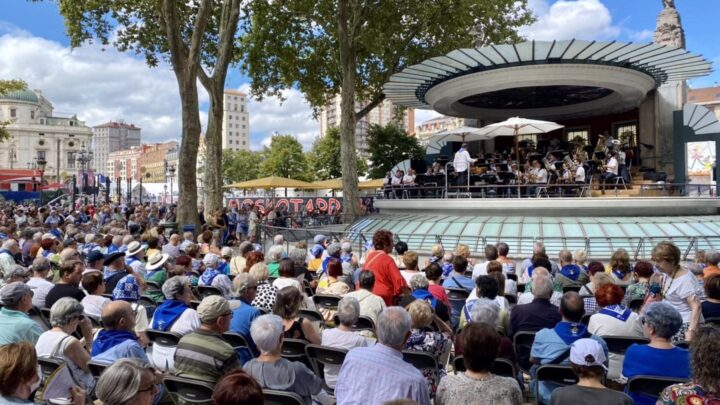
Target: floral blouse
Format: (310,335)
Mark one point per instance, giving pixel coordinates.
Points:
(435,343)
(688,394)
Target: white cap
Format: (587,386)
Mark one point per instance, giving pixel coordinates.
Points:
(587,352)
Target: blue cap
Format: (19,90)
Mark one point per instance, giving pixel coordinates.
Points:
(94,256)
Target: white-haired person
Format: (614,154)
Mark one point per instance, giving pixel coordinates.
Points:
(266,292)
(274,255)
(487,311)
(378,374)
(274,372)
(175,314)
(343,336)
(65,316)
(213,277)
(371,305)
(589,363)
(127,381)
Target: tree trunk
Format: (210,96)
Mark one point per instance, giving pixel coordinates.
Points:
(213,151)
(187,181)
(348,155)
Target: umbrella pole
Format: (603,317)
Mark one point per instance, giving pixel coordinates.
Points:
(517,158)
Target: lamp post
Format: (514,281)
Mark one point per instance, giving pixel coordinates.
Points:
(84,158)
(171,170)
(41,162)
(165,194)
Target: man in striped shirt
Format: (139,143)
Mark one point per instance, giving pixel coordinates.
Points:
(203,354)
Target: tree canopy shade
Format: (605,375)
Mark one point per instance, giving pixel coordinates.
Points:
(388,146)
(7,86)
(324,157)
(240,165)
(198,38)
(352,47)
(284,158)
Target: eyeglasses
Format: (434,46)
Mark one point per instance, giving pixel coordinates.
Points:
(151,388)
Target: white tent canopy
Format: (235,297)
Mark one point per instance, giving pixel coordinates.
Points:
(460,134)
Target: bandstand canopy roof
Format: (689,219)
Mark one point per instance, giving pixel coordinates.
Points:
(274,182)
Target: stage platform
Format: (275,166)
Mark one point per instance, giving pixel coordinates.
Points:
(554,207)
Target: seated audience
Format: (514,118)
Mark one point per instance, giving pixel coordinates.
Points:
(456,278)
(508,265)
(15,324)
(487,287)
(332,281)
(592,269)
(39,281)
(711,305)
(115,269)
(265,297)
(552,345)
(203,354)
(157,271)
(487,311)
(128,290)
(286,276)
(599,280)
(420,291)
(660,357)
(213,277)
(528,296)
(117,339)
(587,360)
(480,269)
(287,307)
(505,285)
(274,255)
(359,382)
(70,276)
(92,283)
(614,319)
(65,317)
(410,260)
(642,272)
(298,259)
(704,388)
(436,341)
(579,258)
(272,371)
(538,314)
(477,384)
(175,314)
(712,259)
(620,268)
(570,275)
(433,273)
(343,336)
(245,290)
(238,387)
(127,381)
(371,305)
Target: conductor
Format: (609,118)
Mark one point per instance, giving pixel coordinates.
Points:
(461,163)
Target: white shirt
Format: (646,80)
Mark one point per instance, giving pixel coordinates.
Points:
(528,297)
(462,160)
(541,175)
(580,174)
(339,339)
(408,179)
(408,274)
(186,323)
(282,282)
(677,291)
(606,325)
(396,181)
(612,166)
(480,269)
(40,288)
(138,267)
(93,305)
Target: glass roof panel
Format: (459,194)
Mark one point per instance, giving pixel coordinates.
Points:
(525,50)
(613,230)
(511,230)
(572,230)
(531,229)
(593,230)
(551,231)
(652,229)
(541,49)
(439,229)
(491,229)
(671,229)
(455,228)
(559,48)
(423,228)
(633,230)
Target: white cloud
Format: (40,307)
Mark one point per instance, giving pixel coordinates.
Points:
(96,83)
(291,116)
(641,36)
(567,19)
(424,115)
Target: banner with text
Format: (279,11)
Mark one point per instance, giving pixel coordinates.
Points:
(329,205)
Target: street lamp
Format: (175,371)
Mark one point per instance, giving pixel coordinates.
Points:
(40,161)
(171,169)
(165,194)
(84,158)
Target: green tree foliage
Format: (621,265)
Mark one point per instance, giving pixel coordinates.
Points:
(352,47)
(284,158)
(240,165)
(199,39)
(388,146)
(324,157)
(7,86)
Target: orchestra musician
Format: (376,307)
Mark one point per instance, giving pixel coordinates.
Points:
(611,170)
(579,172)
(461,163)
(408,181)
(538,176)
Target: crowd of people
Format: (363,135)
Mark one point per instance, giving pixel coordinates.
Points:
(95,287)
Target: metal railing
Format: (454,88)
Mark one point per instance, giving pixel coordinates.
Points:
(596,248)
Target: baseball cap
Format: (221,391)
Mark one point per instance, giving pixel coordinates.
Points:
(587,352)
(95,256)
(333,249)
(214,306)
(12,293)
(226,251)
(316,250)
(48,235)
(319,239)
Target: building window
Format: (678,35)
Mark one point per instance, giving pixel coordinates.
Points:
(626,132)
(71,160)
(32,115)
(41,154)
(13,113)
(572,133)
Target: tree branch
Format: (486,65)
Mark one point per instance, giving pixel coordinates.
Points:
(374,103)
(199,30)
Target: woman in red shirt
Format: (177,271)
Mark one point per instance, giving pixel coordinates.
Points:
(389,283)
(433,272)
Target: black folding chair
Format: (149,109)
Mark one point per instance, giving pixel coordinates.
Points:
(571,288)
(294,350)
(363,323)
(585,320)
(683,344)
(321,356)
(521,288)
(620,344)
(39,316)
(236,340)
(512,277)
(97,368)
(187,391)
(48,365)
(312,315)
(422,361)
(95,321)
(163,338)
(552,373)
(650,385)
(714,321)
(522,343)
(512,299)
(457,297)
(206,291)
(330,302)
(273,397)
(636,305)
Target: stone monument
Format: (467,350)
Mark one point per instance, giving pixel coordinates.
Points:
(669,29)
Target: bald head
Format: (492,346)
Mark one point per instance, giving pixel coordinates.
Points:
(118,315)
(572,307)
(542,285)
(565,257)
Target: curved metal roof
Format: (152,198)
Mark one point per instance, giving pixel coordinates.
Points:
(20,95)
(662,63)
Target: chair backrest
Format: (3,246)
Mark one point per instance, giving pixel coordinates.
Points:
(521,288)
(571,288)
(326,301)
(620,344)
(636,304)
(457,294)
(273,397)
(48,365)
(320,356)
(422,360)
(95,321)
(293,349)
(683,344)
(512,277)
(522,343)
(206,291)
(714,321)
(585,320)
(312,315)
(186,391)
(512,299)
(651,385)
(37,315)
(97,368)
(163,338)
(235,340)
(560,375)
(363,323)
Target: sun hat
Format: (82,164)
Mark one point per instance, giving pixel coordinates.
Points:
(156,261)
(134,248)
(587,352)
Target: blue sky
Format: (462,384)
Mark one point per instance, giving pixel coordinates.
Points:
(102,84)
